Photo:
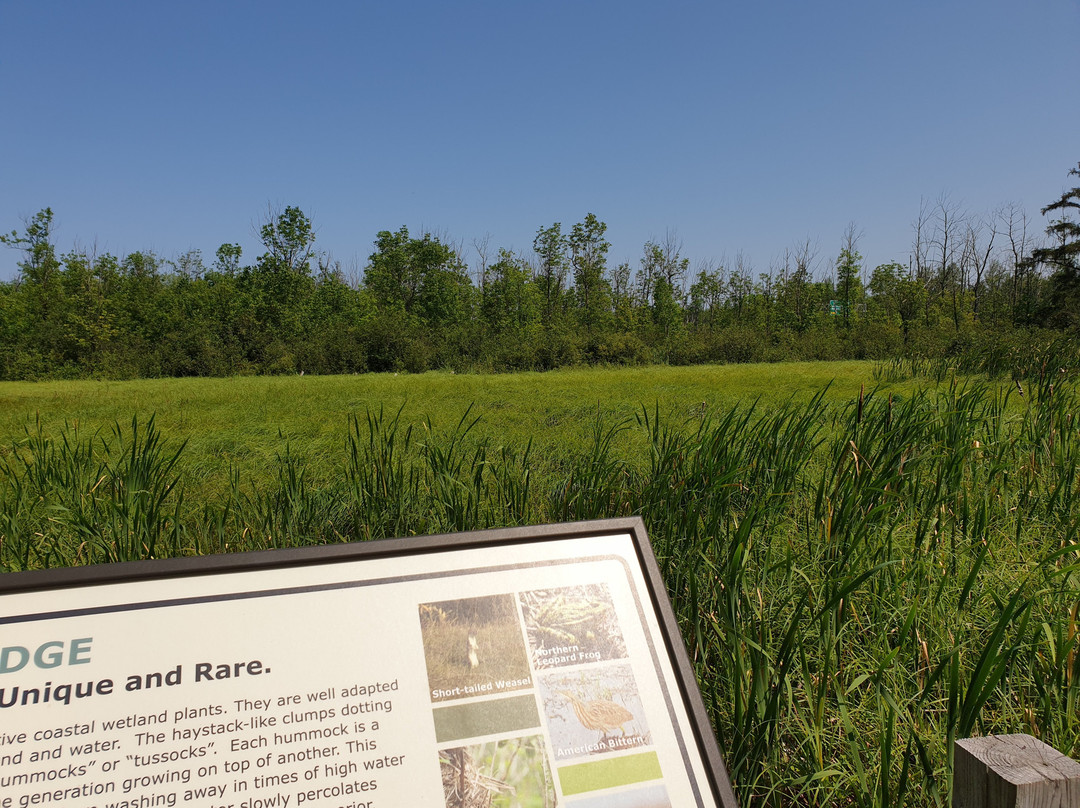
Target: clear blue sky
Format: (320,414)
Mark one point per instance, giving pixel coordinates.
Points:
(743,126)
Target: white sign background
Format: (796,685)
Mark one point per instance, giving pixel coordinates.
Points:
(310,628)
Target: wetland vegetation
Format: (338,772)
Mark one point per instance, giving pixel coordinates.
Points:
(863,571)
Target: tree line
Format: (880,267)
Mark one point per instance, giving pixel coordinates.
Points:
(420,305)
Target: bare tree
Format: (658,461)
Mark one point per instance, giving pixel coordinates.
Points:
(797,285)
(353,274)
(806,255)
(740,284)
(675,267)
(663,261)
(936,251)
(979,238)
(621,288)
(329,268)
(948,219)
(767,287)
(1011,221)
(481,246)
(920,249)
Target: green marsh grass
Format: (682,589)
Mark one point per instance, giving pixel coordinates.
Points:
(244,422)
(861,575)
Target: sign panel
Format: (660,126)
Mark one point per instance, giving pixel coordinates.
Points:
(526,667)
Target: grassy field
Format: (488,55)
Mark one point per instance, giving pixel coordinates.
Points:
(862,575)
(244,424)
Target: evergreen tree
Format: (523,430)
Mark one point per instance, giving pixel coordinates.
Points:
(1063,307)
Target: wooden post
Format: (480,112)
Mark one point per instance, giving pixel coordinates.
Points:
(1013,771)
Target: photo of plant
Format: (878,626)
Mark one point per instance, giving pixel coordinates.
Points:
(593,712)
(571,626)
(500,774)
(470,644)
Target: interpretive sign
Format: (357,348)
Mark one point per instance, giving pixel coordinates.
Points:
(525,667)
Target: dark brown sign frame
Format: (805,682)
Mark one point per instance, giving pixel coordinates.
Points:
(19,590)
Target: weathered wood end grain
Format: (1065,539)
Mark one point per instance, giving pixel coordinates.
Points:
(1013,771)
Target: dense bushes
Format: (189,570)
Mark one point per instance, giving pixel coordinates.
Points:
(417,308)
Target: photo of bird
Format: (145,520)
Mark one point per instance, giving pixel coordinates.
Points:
(599,715)
(593,711)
